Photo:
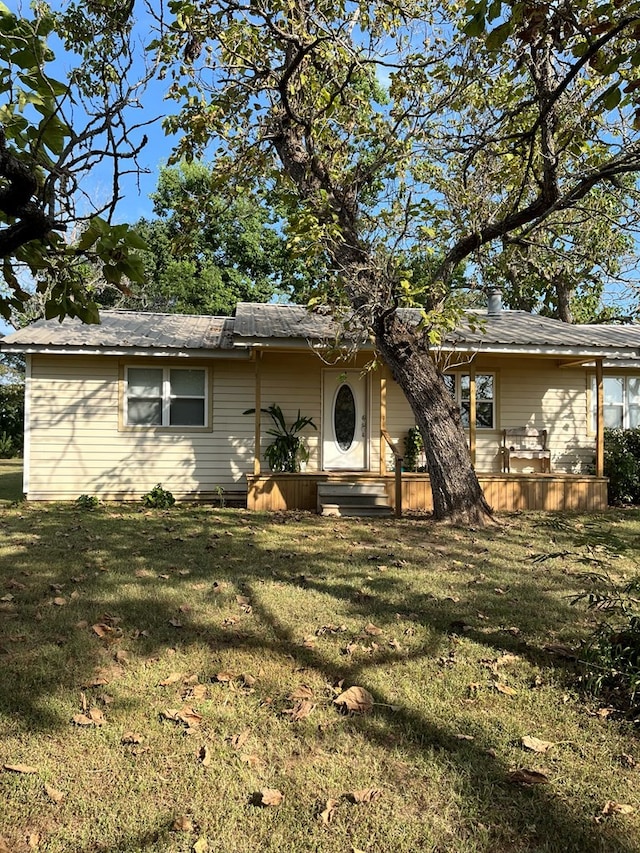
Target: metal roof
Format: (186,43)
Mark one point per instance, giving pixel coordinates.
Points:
(257,324)
(507,331)
(126,331)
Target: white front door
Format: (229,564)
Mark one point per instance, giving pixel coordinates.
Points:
(344,421)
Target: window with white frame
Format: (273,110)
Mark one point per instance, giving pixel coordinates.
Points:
(621,402)
(459,384)
(165,396)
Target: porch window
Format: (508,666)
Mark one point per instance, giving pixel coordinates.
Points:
(621,402)
(459,385)
(166,396)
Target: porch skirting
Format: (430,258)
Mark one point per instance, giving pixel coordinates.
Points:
(504,492)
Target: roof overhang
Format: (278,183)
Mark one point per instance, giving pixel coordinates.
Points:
(125,352)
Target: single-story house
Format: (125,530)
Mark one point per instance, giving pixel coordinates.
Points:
(144,398)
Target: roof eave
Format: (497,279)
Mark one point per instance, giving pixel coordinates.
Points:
(127,352)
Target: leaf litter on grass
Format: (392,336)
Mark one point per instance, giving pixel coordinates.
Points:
(411,753)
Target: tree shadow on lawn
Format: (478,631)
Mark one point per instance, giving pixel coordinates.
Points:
(56,658)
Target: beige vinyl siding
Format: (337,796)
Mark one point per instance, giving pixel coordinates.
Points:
(293,381)
(530,392)
(541,395)
(400,418)
(76,446)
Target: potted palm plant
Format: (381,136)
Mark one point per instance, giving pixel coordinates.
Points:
(287,453)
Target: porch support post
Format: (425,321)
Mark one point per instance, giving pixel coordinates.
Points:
(599,420)
(472,414)
(258,404)
(383,421)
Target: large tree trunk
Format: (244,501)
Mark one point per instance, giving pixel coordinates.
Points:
(457,495)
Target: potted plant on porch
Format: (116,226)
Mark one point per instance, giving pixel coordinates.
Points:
(287,453)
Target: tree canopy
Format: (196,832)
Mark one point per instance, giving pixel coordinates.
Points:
(205,253)
(52,134)
(393,130)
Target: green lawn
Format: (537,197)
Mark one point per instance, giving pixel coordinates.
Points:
(10,480)
(159,670)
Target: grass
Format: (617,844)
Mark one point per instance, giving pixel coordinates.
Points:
(10,481)
(231,614)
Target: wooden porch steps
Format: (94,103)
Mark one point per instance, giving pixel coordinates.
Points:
(353,499)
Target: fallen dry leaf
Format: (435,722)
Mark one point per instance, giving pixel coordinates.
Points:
(176,623)
(271,797)
(356,700)
(131,738)
(251,759)
(83,720)
(59,602)
(505,689)
(300,693)
(33,840)
(611,807)
(461,736)
(172,678)
(326,816)
(239,740)
(372,629)
(535,744)
(54,794)
(364,795)
(523,776)
(197,692)
(183,823)
(201,845)
(224,677)
(204,755)
(560,650)
(301,710)
(20,768)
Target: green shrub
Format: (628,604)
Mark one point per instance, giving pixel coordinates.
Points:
(11,420)
(158,498)
(87,502)
(7,447)
(413,447)
(622,464)
(611,655)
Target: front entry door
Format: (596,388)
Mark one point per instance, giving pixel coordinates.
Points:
(344,422)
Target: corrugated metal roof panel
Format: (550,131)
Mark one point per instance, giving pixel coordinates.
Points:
(129,330)
(256,323)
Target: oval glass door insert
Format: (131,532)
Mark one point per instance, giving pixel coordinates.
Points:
(344,417)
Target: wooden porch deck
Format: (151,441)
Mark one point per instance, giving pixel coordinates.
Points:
(504,492)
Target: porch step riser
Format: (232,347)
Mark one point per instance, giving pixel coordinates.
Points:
(351,489)
(353,510)
(355,500)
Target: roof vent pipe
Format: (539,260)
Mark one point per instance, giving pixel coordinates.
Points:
(494,302)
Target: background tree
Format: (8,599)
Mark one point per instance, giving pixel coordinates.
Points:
(206,253)
(562,267)
(491,122)
(52,134)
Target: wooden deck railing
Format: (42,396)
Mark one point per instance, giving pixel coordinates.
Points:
(398,471)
